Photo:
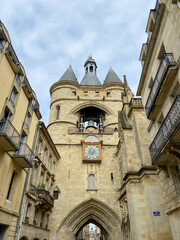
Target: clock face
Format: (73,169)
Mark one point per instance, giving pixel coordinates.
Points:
(91,152)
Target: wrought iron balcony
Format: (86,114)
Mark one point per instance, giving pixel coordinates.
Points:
(24,156)
(165,64)
(9,137)
(45,196)
(169,126)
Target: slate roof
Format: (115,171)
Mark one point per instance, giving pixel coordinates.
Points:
(90,79)
(112,77)
(69,75)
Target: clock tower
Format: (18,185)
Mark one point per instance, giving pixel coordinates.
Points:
(84,126)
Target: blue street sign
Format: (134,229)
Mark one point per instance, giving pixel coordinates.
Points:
(156,213)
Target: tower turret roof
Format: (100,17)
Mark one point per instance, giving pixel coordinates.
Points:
(112,77)
(69,75)
(90,78)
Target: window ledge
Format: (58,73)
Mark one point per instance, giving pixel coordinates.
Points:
(91,189)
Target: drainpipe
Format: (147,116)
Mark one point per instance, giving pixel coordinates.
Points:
(19,221)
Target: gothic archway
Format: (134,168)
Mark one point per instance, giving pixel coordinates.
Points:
(92,104)
(93,211)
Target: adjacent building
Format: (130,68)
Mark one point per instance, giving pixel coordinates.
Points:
(159,87)
(19,116)
(42,190)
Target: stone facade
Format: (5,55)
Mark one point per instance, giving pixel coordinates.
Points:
(39,196)
(160,89)
(126,193)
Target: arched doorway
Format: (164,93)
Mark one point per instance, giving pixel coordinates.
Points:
(90,211)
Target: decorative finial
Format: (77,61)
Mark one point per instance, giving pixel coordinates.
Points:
(125,81)
(90,55)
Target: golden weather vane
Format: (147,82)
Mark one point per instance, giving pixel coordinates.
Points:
(90,55)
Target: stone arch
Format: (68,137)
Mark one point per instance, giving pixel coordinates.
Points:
(23,238)
(91,104)
(91,210)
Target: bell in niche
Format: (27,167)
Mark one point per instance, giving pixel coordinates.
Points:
(90,124)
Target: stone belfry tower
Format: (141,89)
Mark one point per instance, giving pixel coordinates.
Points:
(84,127)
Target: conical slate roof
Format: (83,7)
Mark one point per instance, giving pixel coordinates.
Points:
(90,79)
(112,77)
(69,75)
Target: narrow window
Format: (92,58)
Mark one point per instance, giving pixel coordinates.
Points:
(57,112)
(45,155)
(91,181)
(47,223)
(108,93)
(56,194)
(7,114)
(31,103)
(42,219)
(18,79)
(10,185)
(13,96)
(39,147)
(35,216)
(27,213)
(91,69)
(49,162)
(27,120)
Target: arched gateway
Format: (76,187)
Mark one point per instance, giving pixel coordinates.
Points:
(90,211)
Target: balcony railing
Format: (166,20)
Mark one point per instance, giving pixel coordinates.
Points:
(168,127)
(106,131)
(9,137)
(166,62)
(43,194)
(24,156)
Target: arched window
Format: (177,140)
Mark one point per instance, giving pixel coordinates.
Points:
(91,68)
(57,112)
(91,181)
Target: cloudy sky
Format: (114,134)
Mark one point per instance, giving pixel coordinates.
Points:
(49,34)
